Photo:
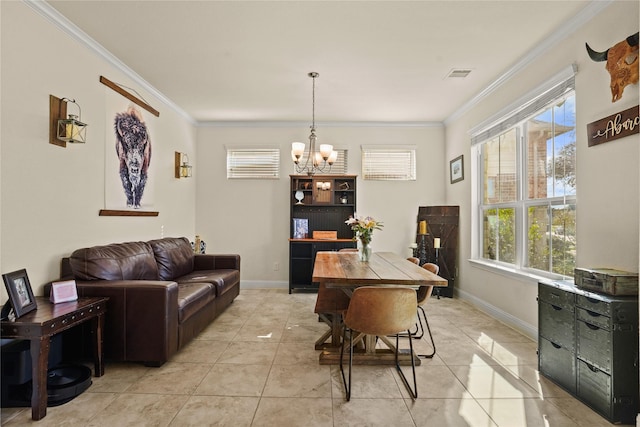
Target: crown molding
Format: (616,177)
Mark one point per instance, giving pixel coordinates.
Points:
(296,124)
(51,14)
(568,28)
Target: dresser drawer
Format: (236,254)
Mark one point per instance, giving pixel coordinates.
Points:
(558,364)
(555,296)
(594,388)
(594,345)
(556,324)
(593,318)
(594,305)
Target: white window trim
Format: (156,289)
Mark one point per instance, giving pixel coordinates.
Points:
(269,170)
(476,171)
(407,171)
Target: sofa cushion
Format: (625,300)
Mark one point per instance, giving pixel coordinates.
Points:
(174,257)
(192,297)
(118,261)
(222,279)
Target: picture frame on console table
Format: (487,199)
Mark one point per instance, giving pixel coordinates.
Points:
(20,293)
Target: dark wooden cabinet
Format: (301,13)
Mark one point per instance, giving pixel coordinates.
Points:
(319,203)
(442,223)
(588,345)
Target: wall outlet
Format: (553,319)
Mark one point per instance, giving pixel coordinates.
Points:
(276,266)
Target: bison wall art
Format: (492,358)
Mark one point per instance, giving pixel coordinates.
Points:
(133,147)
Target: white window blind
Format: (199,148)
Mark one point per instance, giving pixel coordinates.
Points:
(256,163)
(389,163)
(527,106)
(338,167)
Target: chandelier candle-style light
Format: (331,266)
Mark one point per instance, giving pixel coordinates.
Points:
(326,156)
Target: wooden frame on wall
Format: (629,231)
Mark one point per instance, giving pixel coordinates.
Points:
(456,169)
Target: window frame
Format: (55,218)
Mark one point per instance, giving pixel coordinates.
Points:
(388,171)
(523,203)
(271,158)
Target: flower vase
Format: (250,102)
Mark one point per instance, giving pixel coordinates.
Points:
(364,251)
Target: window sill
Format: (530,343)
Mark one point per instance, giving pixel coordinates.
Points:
(522,275)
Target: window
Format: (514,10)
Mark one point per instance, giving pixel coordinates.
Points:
(389,163)
(526,185)
(338,167)
(258,163)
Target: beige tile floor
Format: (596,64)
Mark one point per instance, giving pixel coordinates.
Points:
(256,366)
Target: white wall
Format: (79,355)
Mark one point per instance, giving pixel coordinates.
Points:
(51,196)
(251,217)
(607,174)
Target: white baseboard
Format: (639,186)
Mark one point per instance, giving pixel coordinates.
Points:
(263,284)
(516,323)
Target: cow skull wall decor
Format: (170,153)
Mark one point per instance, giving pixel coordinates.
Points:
(622,64)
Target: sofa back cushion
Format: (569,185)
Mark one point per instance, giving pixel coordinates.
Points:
(174,256)
(118,261)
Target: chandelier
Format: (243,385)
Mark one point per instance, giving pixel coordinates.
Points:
(316,161)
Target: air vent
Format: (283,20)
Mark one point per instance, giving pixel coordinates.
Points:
(458,73)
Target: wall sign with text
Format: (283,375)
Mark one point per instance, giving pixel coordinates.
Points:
(616,126)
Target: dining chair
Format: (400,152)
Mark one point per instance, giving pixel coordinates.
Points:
(379,311)
(423,295)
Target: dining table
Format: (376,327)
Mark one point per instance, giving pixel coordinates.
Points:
(345,271)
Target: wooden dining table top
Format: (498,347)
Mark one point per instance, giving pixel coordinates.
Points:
(344,269)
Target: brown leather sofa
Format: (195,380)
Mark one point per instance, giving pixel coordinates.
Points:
(161,295)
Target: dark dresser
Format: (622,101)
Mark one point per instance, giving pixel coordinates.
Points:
(588,345)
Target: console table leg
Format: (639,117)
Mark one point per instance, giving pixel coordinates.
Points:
(98,326)
(39,368)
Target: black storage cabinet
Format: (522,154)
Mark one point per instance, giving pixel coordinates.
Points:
(588,345)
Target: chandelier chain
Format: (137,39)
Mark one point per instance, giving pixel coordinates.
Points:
(313,103)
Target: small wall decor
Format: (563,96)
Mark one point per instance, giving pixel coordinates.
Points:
(456,169)
(616,126)
(622,64)
(20,293)
(65,128)
(182,167)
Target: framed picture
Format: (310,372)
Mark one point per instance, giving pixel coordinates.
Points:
(456,169)
(20,292)
(300,228)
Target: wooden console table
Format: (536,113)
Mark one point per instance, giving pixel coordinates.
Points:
(47,320)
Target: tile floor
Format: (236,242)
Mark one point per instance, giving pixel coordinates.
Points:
(256,366)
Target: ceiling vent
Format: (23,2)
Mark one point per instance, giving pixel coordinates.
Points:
(458,73)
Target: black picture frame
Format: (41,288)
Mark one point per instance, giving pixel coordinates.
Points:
(456,169)
(20,293)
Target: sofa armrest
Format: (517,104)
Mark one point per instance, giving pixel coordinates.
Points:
(141,322)
(216,261)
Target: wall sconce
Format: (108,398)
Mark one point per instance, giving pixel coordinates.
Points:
(182,167)
(63,128)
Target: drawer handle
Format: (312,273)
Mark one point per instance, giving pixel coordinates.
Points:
(555,345)
(556,308)
(592,327)
(593,313)
(593,301)
(591,367)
